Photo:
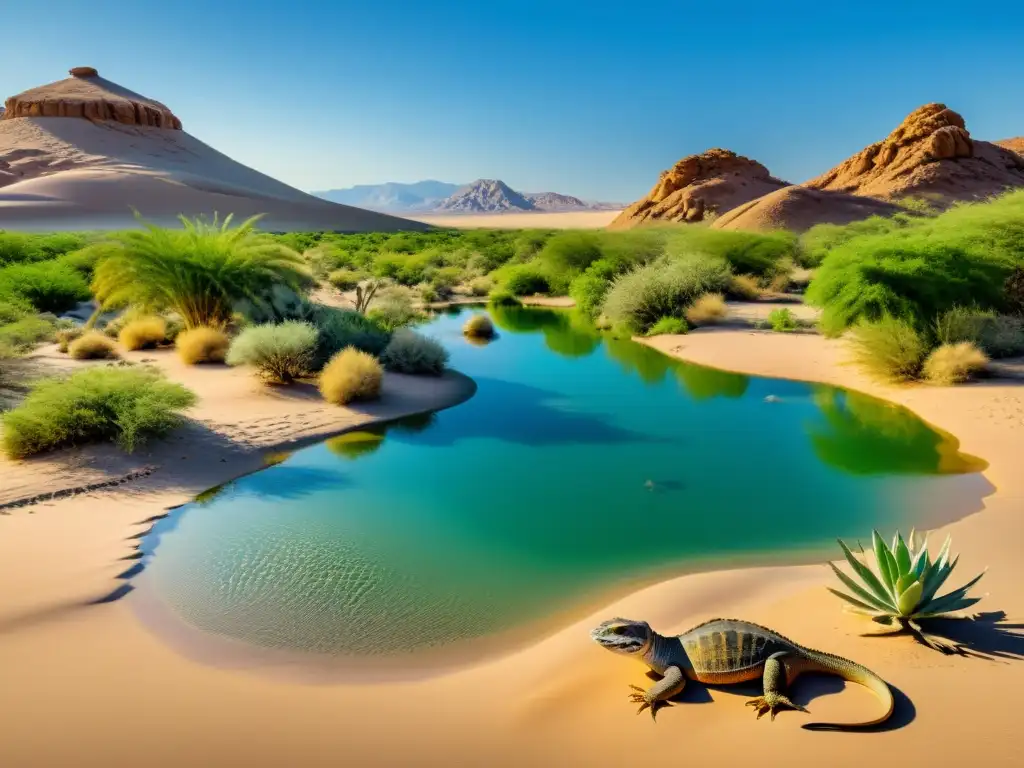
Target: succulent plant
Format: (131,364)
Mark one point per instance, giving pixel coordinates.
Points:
(903,590)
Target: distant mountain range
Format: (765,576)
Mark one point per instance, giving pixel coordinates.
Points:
(480,196)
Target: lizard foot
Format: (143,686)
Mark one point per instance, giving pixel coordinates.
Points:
(773,703)
(646,702)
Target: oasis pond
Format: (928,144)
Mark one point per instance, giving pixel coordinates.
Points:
(582,464)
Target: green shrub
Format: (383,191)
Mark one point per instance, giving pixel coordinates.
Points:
(753,253)
(143,333)
(479,327)
(92,345)
(588,291)
(570,252)
(917,271)
(481,286)
(998,335)
(954,363)
(428,294)
(817,242)
(394,309)
(502,298)
(341,328)
(668,325)
(1013,290)
(345,279)
(524,280)
(124,405)
(202,344)
(707,309)
(890,348)
(641,297)
(351,375)
(1003,336)
(201,272)
(782,320)
(410,352)
(13,308)
(26,333)
(445,279)
(48,285)
(280,353)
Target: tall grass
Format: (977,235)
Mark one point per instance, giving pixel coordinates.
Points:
(890,349)
(201,271)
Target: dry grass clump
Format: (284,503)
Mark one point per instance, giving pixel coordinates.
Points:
(409,352)
(351,375)
(744,288)
(954,363)
(279,353)
(92,346)
(479,327)
(143,332)
(202,344)
(707,309)
(890,349)
(66,335)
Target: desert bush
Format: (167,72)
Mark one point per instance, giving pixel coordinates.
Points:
(13,308)
(143,333)
(639,298)
(123,405)
(351,375)
(817,242)
(481,286)
(394,309)
(915,272)
(571,251)
(24,334)
(954,363)
(428,294)
(782,320)
(200,272)
(345,279)
(479,327)
(202,344)
(280,353)
(410,352)
(524,280)
(65,336)
(707,309)
(1003,336)
(997,335)
(753,253)
(92,345)
(340,328)
(445,279)
(588,291)
(890,348)
(744,288)
(173,326)
(668,325)
(49,286)
(499,297)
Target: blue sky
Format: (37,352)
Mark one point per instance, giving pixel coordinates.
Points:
(592,98)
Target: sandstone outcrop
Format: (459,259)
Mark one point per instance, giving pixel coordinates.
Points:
(715,181)
(87,95)
(931,154)
(798,208)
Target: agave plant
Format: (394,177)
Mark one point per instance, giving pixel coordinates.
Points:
(903,591)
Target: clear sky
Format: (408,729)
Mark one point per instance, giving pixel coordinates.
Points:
(592,99)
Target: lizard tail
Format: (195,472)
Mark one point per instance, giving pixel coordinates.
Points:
(855,673)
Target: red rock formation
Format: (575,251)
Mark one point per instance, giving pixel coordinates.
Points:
(712,182)
(931,154)
(87,95)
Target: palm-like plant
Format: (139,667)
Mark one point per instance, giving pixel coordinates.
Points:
(200,271)
(902,592)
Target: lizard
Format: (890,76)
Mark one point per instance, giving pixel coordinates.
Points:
(728,651)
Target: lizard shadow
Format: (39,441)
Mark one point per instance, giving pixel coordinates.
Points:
(805,690)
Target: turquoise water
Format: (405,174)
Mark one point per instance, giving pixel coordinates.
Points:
(582,462)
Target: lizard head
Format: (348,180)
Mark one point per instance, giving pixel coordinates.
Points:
(623,635)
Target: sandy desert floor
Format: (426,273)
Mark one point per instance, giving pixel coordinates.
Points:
(569,220)
(89,685)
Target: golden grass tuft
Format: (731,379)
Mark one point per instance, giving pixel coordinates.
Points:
(707,309)
(143,332)
(351,375)
(65,336)
(745,288)
(202,344)
(92,346)
(954,363)
(479,327)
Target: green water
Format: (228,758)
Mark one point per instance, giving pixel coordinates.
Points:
(581,463)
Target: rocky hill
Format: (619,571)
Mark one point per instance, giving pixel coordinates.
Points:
(715,181)
(930,154)
(393,197)
(485,196)
(552,201)
(1014,145)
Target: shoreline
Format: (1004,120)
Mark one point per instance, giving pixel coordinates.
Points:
(562,699)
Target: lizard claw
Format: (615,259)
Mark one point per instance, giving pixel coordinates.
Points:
(773,703)
(645,702)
